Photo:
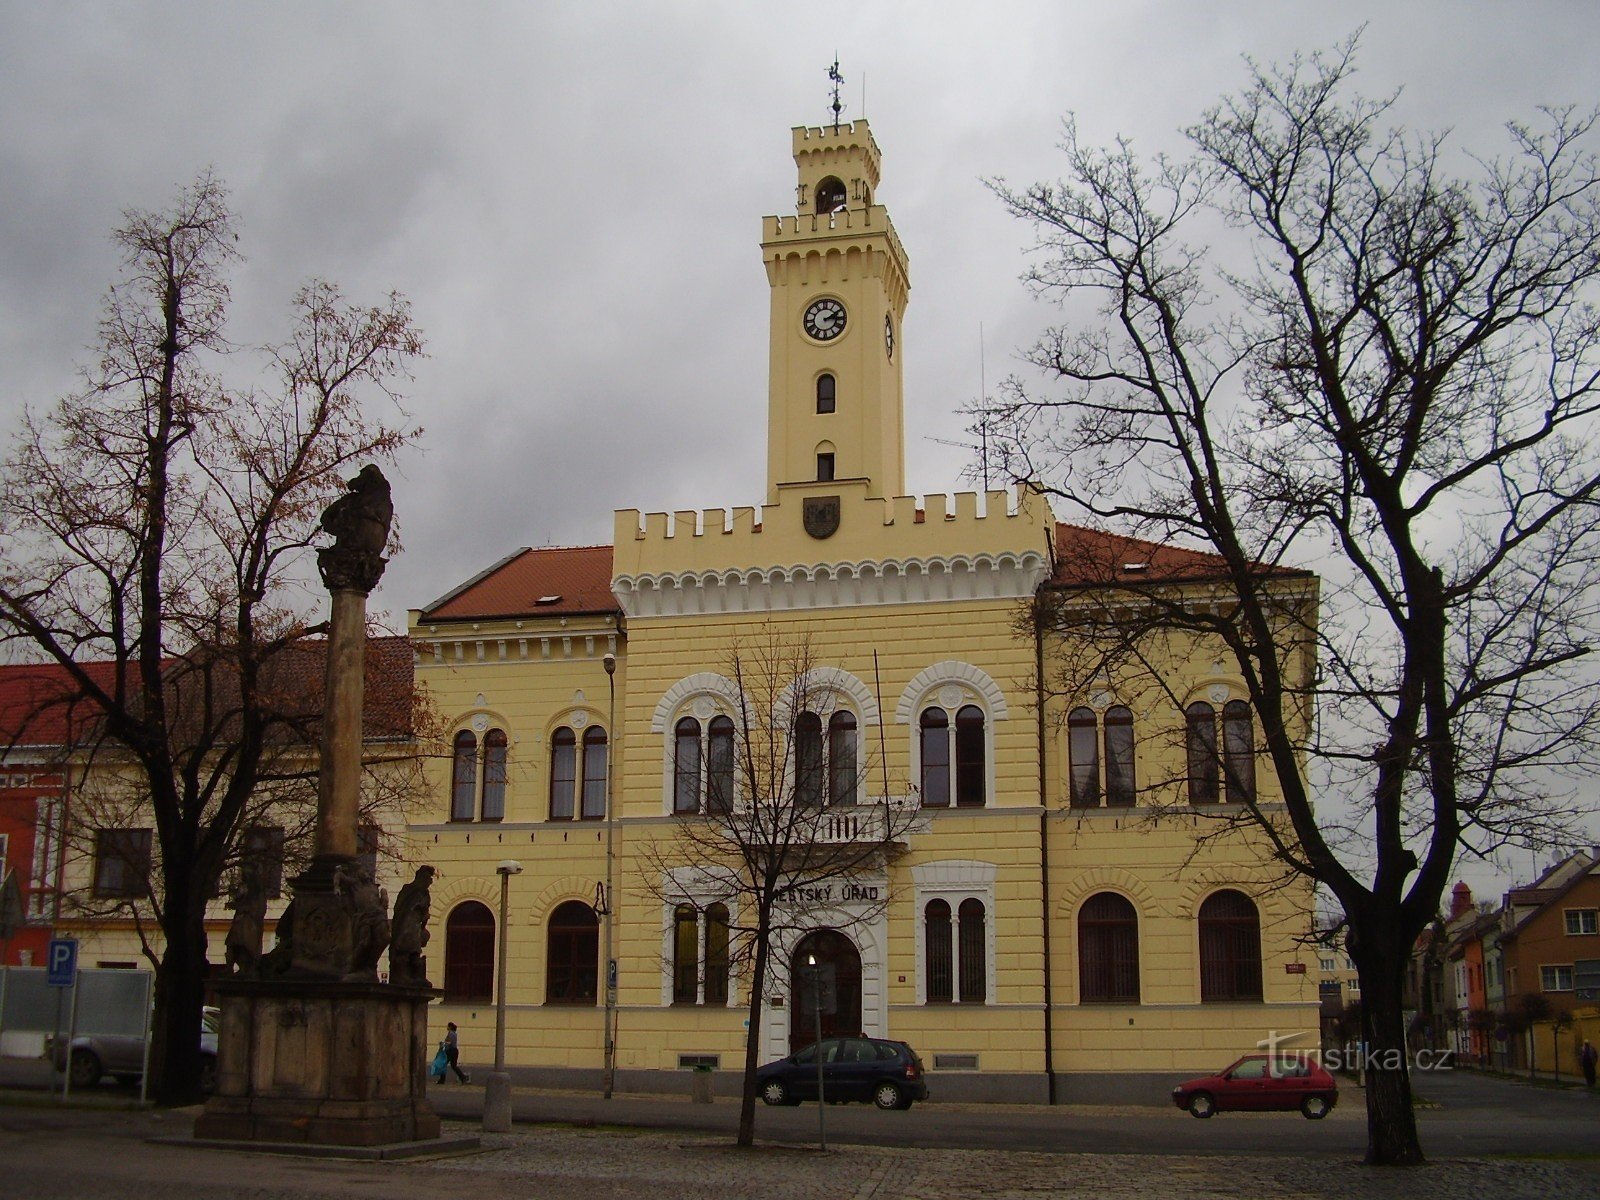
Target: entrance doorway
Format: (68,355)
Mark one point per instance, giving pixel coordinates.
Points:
(840,964)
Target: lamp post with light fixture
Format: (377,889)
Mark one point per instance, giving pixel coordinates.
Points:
(816,1006)
(497,1089)
(610,662)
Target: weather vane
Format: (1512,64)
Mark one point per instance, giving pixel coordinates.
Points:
(833,74)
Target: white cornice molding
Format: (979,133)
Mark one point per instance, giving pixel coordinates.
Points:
(937,580)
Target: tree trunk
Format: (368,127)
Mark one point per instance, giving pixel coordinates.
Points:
(180,993)
(752,1040)
(1391,1120)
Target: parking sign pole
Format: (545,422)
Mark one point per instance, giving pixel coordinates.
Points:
(72,1034)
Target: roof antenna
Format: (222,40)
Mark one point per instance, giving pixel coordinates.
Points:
(983,412)
(833,74)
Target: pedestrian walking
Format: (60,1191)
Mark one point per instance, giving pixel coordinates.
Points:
(452,1054)
(1586,1060)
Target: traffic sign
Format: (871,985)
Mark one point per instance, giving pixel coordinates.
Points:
(61,962)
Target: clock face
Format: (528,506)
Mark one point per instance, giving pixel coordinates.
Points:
(824,319)
(888,335)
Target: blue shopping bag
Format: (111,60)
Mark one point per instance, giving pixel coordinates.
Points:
(440,1062)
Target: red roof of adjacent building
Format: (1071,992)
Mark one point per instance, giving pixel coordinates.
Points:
(555,580)
(40,705)
(1086,557)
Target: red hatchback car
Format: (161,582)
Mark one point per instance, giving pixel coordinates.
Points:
(1262,1083)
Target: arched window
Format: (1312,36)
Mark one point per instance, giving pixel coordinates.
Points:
(685,943)
(830,195)
(974,965)
(719,766)
(686,767)
(843,780)
(935,758)
(573,963)
(563,772)
(1200,740)
(464,777)
(1120,790)
(469,953)
(594,773)
(826,389)
(1108,950)
(940,960)
(1230,948)
(1238,752)
(970,767)
(478,789)
(1083,758)
(717,954)
(494,775)
(808,760)
(824,466)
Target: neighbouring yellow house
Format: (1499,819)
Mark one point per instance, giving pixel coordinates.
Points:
(1050,926)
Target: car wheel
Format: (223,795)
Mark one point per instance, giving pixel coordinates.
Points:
(85,1070)
(208,1073)
(774,1092)
(1315,1107)
(887,1095)
(1202,1105)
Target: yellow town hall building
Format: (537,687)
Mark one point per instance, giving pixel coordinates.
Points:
(1048,923)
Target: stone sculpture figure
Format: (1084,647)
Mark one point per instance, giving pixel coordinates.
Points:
(275,962)
(410,932)
(368,905)
(243,943)
(359,521)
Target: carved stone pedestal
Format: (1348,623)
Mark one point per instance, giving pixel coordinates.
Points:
(321,1062)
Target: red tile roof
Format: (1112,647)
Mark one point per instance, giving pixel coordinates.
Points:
(41,706)
(1086,557)
(552,580)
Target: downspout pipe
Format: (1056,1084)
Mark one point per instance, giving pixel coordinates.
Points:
(1044,854)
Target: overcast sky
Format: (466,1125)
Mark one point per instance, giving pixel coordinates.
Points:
(571,193)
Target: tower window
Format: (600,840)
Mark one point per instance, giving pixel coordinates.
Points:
(826,390)
(824,468)
(831,195)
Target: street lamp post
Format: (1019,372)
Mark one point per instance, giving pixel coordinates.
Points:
(610,662)
(816,1007)
(497,1091)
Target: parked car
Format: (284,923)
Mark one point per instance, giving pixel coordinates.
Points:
(853,1068)
(122,1055)
(1262,1083)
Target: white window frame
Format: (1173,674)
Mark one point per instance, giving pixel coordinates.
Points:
(951,685)
(1593,921)
(1550,977)
(691,887)
(953,881)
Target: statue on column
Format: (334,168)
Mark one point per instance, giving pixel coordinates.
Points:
(407,967)
(359,521)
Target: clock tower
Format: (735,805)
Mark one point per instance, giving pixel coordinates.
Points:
(839,285)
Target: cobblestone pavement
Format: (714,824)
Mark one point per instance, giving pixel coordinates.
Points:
(107,1156)
(630,1164)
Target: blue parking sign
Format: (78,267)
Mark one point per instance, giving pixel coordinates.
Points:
(61,962)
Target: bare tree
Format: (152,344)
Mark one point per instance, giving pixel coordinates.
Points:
(1320,345)
(779,823)
(159,520)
